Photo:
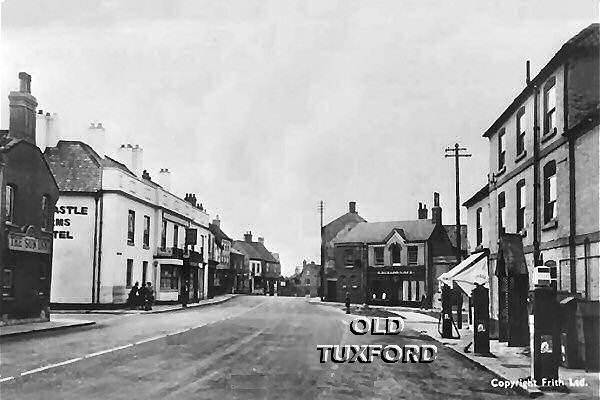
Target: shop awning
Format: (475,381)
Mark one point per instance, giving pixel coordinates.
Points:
(448,277)
(476,274)
(511,258)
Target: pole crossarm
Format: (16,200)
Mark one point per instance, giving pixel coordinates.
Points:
(455,153)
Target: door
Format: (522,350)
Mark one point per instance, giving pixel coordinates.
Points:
(331,290)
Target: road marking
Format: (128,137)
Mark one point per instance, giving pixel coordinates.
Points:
(60,364)
(8,378)
(98,353)
(149,340)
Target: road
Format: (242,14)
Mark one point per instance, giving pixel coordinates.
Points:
(251,347)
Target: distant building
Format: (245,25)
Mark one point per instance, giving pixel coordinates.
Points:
(223,278)
(308,280)
(264,268)
(338,226)
(394,262)
(28,194)
(240,268)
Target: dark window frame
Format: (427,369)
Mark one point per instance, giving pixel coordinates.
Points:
(348,258)
(521,205)
(131,227)
(501,149)
(172,277)
(175,235)
(144,270)
(9,209)
(396,253)
(521,132)
(46,218)
(550,206)
(146,234)
(379,258)
(501,213)
(479,226)
(129,273)
(163,235)
(8,290)
(413,255)
(549,112)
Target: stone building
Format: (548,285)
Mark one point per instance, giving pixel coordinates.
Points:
(541,203)
(28,194)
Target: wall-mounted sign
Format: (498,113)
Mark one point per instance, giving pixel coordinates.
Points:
(63,225)
(22,242)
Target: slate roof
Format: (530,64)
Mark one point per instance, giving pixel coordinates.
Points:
(480,195)
(588,38)
(377,232)
(331,230)
(218,233)
(77,167)
(254,250)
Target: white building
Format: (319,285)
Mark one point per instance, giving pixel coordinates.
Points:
(114,227)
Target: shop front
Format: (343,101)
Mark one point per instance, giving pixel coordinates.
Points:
(396,286)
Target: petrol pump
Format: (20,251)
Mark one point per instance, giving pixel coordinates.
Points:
(481,319)
(446,315)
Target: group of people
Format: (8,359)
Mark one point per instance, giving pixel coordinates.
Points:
(141,298)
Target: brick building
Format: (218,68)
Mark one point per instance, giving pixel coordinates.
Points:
(28,194)
(308,280)
(543,188)
(264,266)
(223,278)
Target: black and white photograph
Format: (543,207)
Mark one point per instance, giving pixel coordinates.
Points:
(299,199)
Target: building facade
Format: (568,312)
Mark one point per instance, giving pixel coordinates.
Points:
(543,184)
(394,262)
(308,280)
(240,268)
(330,231)
(223,279)
(28,194)
(114,228)
(264,268)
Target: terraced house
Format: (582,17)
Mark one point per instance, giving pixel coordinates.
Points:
(541,205)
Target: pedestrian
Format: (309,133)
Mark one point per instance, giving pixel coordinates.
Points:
(149,296)
(423,302)
(347,302)
(142,294)
(185,292)
(132,299)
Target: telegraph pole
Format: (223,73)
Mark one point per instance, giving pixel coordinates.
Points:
(456,154)
(322,294)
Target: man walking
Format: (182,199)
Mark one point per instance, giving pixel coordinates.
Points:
(185,293)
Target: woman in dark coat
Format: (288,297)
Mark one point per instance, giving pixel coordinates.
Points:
(132,299)
(185,294)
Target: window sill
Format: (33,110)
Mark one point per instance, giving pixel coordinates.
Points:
(130,244)
(349,266)
(396,264)
(521,156)
(500,171)
(548,135)
(550,225)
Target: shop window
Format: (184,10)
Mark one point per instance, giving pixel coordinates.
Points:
(146,238)
(413,253)
(550,107)
(169,279)
(7,282)
(379,255)
(550,195)
(521,202)
(395,250)
(131,227)
(9,210)
(46,222)
(129,273)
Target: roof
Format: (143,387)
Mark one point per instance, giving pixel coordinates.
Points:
(480,195)
(588,38)
(77,167)
(334,227)
(254,250)
(377,232)
(218,233)
(451,231)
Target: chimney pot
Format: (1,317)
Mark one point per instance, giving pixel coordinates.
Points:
(24,82)
(436,210)
(528,73)
(352,207)
(41,112)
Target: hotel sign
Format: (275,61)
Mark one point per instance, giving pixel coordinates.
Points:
(23,242)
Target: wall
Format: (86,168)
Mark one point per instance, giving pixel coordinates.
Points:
(73,254)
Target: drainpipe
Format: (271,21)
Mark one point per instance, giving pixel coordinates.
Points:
(95,259)
(572,199)
(536,176)
(100,231)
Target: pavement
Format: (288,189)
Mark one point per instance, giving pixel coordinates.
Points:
(251,347)
(511,364)
(55,323)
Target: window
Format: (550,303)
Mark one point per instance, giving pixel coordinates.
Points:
(501,214)
(163,236)
(308,281)
(46,222)
(169,278)
(348,258)
(553,272)
(144,271)
(521,202)
(501,149)
(379,255)
(413,252)
(129,274)
(131,227)
(395,249)
(550,192)
(175,235)
(521,123)
(10,203)
(550,107)
(7,283)
(479,226)
(146,238)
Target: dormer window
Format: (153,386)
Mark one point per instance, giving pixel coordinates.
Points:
(395,250)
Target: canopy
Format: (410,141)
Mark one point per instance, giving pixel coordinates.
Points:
(477,273)
(448,277)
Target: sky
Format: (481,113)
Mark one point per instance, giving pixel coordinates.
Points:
(265,108)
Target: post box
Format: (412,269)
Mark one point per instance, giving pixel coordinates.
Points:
(446,312)
(545,335)
(481,320)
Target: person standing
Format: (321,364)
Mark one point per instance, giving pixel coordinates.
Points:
(149,296)
(185,293)
(347,302)
(142,294)
(132,299)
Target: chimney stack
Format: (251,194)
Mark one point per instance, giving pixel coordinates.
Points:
(352,207)
(96,138)
(528,73)
(436,210)
(164,180)
(52,131)
(41,130)
(261,240)
(422,213)
(217,222)
(22,111)
(137,159)
(248,236)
